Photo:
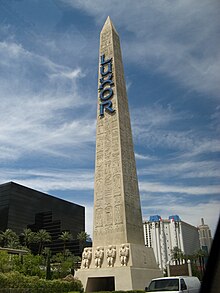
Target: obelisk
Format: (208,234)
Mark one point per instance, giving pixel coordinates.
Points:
(118,259)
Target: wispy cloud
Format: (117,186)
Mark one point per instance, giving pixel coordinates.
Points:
(165,127)
(177,39)
(187,212)
(36,106)
(158,187)
(47,179)
(144,157)
(182,169)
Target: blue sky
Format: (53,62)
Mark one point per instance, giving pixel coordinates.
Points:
(48,90)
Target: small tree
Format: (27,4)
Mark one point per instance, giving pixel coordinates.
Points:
(47,254)
(28,237)
(64,266)
(5,265)
(200,256)
(177,254)
(42,236)
(82,237)
(9,239)
(65,236)
(30,266)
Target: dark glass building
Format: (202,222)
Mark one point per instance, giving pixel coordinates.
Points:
(22,207)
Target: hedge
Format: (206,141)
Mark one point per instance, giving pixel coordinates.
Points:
(15,280)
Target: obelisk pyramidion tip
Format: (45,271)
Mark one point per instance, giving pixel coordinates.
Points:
(109,25)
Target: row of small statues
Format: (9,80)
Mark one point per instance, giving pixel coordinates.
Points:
(110,256)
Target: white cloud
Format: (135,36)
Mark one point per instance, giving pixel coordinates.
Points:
(188,213)
(177,39)
(158,187)
(35,106)
(70,74)
(144,157)
(182,169)
(46,180)
(165,127)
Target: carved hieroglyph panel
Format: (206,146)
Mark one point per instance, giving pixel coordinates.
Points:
(118,214)
(108,216)
(99,217)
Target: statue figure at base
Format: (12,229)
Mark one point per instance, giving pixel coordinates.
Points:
(124,254)
(111,254)
(99,253)
(86,258)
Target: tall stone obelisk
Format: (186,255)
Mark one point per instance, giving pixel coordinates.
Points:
(118,259)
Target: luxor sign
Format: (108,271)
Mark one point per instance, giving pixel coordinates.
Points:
(105,88)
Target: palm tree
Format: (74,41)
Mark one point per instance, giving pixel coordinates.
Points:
(47,253)
(28,236)
(177,254)
(9,239)
(42,236)
(200,256)
(65,236)
(82,237)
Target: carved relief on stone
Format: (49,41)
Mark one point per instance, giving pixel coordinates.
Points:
(115,131)
(118,214)
(100,145)
(99,254)
(108,190)
(86,257)
(111,255)
(108,178)
(107,166)
(115,140)
(117,183)
(108,154)
(109,229)
(99,203)
(114,125)
(99,189)
(115,156)
(99,159)
(117,198)
(100,129)
(124,254)
(99,217)
(108,148)
(115,166)
(108,216)
(115,146)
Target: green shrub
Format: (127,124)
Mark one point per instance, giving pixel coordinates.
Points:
(37,285)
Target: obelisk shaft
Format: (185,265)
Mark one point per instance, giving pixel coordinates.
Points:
(117,211)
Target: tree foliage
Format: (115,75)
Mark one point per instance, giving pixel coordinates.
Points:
(42,237)
(177,255)
(28,237)
(65,237)
(82,237)
(9,238)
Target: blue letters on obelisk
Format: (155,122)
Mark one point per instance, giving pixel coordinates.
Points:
(106,92)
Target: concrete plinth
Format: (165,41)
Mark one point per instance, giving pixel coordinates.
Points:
(135,274)
(124,278)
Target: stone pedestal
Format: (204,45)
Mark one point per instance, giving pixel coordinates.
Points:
(122,273)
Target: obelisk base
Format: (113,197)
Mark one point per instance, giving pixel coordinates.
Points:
(111,279)
(135,275)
